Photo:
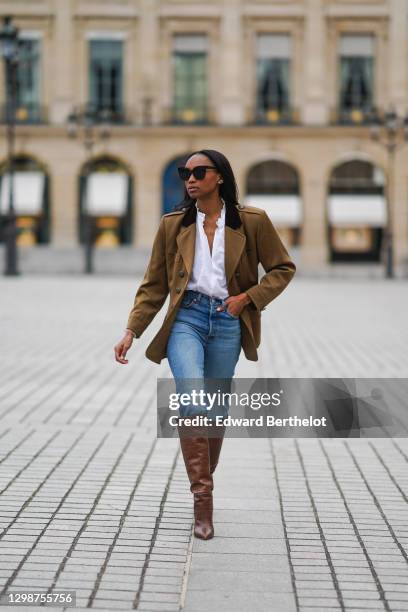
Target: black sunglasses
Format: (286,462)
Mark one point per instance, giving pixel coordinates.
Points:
(198,172)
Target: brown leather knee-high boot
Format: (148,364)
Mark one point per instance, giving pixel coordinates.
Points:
(196,457)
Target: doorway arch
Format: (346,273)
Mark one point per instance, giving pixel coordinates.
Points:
(172,186)
(106,196)
(274,186)
(31,199)
(357,212)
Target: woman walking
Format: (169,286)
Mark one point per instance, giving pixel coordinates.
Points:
(206,255)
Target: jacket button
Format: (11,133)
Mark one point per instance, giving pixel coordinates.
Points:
(178,289)
(181,273)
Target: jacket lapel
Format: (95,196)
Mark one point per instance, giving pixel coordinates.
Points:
(235,240)
(186,245)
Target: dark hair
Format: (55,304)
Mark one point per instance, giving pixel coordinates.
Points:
(228,189)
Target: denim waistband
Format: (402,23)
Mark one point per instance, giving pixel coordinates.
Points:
(198,295)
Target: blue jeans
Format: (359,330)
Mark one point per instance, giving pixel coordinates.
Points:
(204,344)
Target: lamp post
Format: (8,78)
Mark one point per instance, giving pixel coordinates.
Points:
(9,50)
(391,131)
(90,126)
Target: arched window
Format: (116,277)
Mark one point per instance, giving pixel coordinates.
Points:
(173,187)
(274,186)
(356,211)
(105,201)
(31,203)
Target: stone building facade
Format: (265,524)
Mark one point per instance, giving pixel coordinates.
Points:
(287,89)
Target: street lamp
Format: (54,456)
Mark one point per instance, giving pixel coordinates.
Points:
(91,126)
(9,50)
(391,131)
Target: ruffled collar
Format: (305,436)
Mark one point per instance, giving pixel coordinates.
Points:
(221,219)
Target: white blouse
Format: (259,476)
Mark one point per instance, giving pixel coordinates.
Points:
(208,274)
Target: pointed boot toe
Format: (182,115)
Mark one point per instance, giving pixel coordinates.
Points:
(203,513)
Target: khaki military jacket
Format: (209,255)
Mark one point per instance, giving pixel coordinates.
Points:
(250,239)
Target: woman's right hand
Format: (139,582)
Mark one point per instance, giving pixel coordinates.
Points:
(122,347)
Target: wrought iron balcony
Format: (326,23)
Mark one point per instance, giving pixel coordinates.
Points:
(108,114)
(26,114)
(358,115)
(275,116)
(182,113)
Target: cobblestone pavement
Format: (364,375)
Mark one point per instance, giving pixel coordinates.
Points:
(92,501)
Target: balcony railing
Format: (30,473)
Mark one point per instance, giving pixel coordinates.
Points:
(26,114)
(354,116)
(197,113)
(275,116)
(119,115)
(175,115)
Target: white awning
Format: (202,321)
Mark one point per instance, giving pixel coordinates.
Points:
(107,193)
(357,210)
(283,210)
(28,193)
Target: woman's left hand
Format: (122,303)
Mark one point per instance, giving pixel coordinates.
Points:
(235,304)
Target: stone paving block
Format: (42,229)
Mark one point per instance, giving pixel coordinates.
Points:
(158,607)
(358,584)
(239,561)
(161,588)
(360,594)
(110,604)
(231,581)
(164,569)
(242,545)
(125,573)
(323,583)
(202,601)
(332,607)
(318,602)
(317,593)
(368,605)
(398,596)
(151,581)
(153,597)
(256,517)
